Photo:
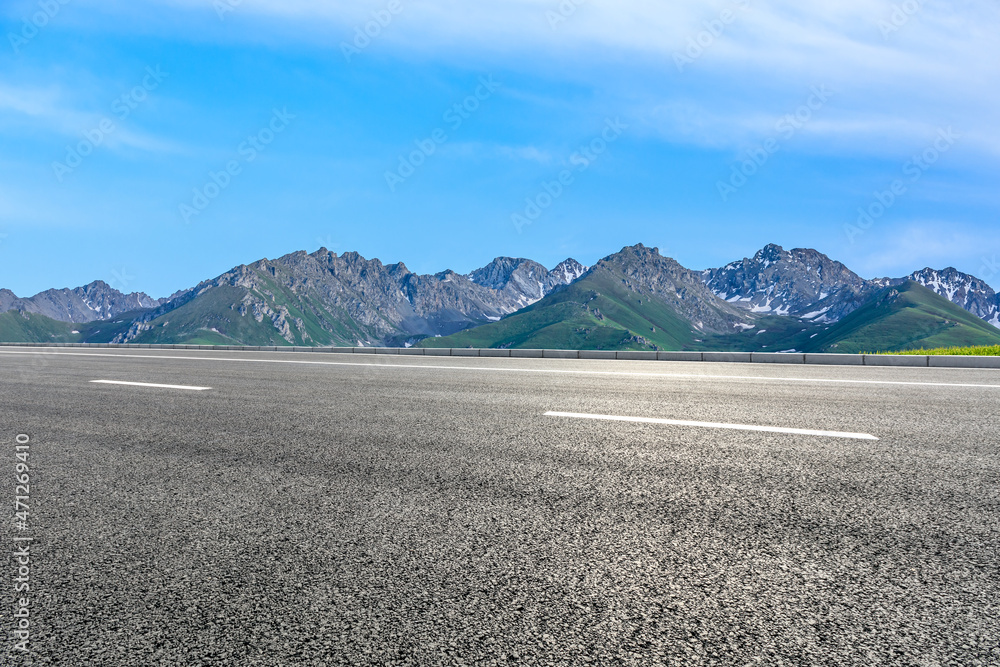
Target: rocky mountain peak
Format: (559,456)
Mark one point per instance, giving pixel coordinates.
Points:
(91,302)
(801,282)
(769,254)
(967,291)
(7,298)
(569,270)
(644,272)
(323,297)
(523,280)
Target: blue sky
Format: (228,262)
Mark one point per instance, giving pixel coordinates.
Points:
(155,144)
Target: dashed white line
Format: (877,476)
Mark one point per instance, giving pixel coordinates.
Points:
(730,427)
(147,384)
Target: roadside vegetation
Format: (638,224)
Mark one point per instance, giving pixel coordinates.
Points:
(974,351)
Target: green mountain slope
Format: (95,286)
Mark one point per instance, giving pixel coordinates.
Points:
(323,299)
(633,300)
(214,318)
(592,314)
(580,317)
(17,327)
(906,317)
(601,312)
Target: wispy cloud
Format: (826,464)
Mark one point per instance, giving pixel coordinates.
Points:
(932,66)
(477,150)
(52,109)
(527,153)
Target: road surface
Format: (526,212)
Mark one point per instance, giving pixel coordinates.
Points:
(222,508)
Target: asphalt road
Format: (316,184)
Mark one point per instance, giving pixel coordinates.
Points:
(310,509)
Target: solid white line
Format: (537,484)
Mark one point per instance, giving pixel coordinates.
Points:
(730,427)
(155,386)
(553,371)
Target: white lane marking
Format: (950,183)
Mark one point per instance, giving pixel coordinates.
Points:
(147,384)
(692,376)
(729,427)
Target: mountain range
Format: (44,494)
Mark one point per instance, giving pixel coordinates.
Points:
(633,299)
(96,301)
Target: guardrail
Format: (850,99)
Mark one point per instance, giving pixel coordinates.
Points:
(925,361)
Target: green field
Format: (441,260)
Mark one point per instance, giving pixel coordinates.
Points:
(977,351)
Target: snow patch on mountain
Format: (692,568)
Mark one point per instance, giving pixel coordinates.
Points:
(967,291)
(807,284)
(524,281)
(93,302)
(800,282)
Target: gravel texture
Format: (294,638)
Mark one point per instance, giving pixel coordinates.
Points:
(348,514)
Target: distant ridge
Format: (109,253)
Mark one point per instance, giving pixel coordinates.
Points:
(96,301)
(639,300)
(634,299)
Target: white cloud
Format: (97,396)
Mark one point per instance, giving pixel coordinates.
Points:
(41,106)
(50,109)
(898,74)
(527,153)
(477,150)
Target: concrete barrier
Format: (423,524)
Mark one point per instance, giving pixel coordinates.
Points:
(895,360)
(727,357)
(635,356)
(949,361)
(835,359)
(777,358)
(679,356)
(882,360)
(598,354)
